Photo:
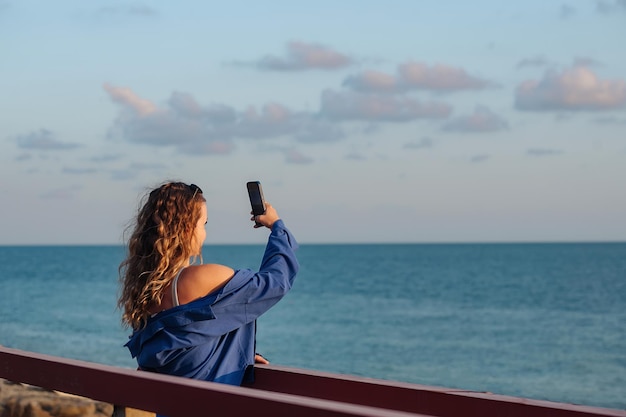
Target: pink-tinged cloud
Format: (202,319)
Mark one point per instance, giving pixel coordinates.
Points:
(185,105)
(439,77)
(481,120)
(378,108)
(271,120)
(127,98)
(416,76)
(304,56)
(271,113)
(43,140)
(182,124)
(369,81)
(192,128)
(576,88)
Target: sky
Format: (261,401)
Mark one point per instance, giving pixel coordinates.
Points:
(401,121)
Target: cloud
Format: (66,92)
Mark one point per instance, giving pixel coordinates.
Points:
(134,169)
(537,61)
(354,156)
(318,130)
(416,76)
(373,81)
(567,11)
(543,152)
(439,77)
(586,62)
(123,174)
(183,124)
(481,120)
(305,56)
(610,120)
(187,106)
(349,105)
(476,159)
(24,157)
(137,9)
(272,119)
(105,158)
(423,143)
(132,102)
(576,88)
(43,140)
(156,167)
(540,61)
(610,7)
(292,156)
(78,171)
(195,129)
(64,193)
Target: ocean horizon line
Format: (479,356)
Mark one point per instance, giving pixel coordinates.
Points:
(346,243)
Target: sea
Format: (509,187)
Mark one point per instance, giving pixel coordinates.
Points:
(544,321)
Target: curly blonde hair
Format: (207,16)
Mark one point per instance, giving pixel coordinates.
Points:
(160,245)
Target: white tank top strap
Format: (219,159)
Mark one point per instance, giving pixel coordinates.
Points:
(175,302)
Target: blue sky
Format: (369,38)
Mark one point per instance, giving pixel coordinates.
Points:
(402,121)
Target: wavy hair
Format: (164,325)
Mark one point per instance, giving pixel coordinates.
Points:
(160,245)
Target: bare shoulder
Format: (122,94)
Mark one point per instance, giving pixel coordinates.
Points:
(199,280)
(213,270)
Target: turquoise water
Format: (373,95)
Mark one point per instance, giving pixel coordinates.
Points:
(544,321)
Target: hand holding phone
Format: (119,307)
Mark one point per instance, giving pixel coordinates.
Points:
(255,192)
(260,207)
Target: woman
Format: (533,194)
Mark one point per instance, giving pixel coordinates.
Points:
(191,320)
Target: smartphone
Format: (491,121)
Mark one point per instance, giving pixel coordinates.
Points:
(255,192)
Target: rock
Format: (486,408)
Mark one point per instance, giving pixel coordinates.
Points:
(21,400)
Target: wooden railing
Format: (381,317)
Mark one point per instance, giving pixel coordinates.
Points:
(277,391)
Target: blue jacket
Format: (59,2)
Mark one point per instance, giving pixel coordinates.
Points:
(213,338)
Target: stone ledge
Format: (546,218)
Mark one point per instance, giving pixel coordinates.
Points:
(21,400)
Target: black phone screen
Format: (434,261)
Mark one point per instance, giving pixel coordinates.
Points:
(255,193)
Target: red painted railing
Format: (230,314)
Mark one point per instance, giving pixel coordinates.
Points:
(278,391)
